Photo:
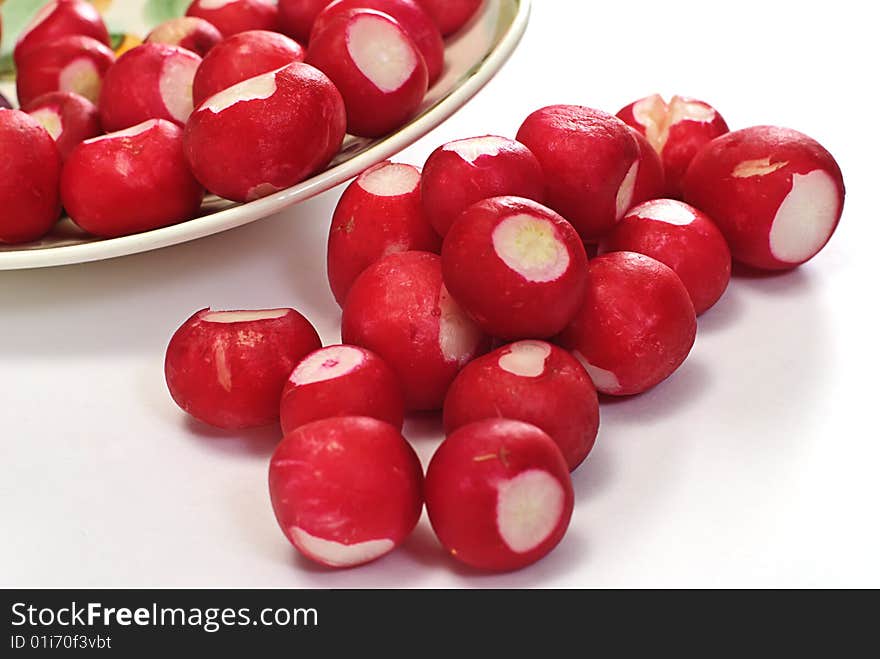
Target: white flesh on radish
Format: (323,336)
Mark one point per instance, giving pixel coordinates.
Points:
(337,554)
(759,167)
(175,86)
(805,218)
(81,77)
(657,117)
(175,30)
(474,147)
(666,210)
(243,316)
(258,88)
(529,246)
(381,51)
(605,381)
(529,508)
(526,359)
(51,121)
(214,4)
(390,180)
(134,131)
(458,335)
(327,364)
(626,190)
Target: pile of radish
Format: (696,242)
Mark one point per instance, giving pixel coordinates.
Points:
(260,93)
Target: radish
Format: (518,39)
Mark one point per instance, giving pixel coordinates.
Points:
(450,15)
(292,121)
(499,494)
(461,173)
(346,490)
(298,16)
(400,309)
(651,179)
(591,191)
(228,368)
(234,16)
(530,381)
(57,19)
(380,213)
(141,176)
(71,64)
(776,194)
(636,326)
(193,34)
(517,268)
(377,67)
(152,81)
(4,103)
(677,131)
(69,118)
(243,56)
(341,381)
(681,237)
(29,173)
(412,18)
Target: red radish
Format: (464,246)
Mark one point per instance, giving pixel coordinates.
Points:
(292,121)
(234,16)
(681,237)
(636,326)
(530,381)
(377,67)
(194,34)
(412,18)
(517,268)
(346,490)
(4,103)
(650,180)
(228,368)
(29,173)
(776,194)
(499,494)
(677,131)
(400,309)
(152,81)
(450,15)
(72,64)
(341,381)
(590,192)
(380,213)
(142,176)
(243,56)
(69,118)
(57,19)
(461,173)
(298,16)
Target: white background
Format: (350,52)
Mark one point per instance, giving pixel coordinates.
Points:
(755,465)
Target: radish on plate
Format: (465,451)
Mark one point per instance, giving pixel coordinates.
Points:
(450,15)
(58,19)
(234,16)
(69,118)
(297,17)
(194,34)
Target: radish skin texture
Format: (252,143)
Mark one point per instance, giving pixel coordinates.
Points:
(498,494)
(776,194)
(30,162)
(58,19)
(69,118)
(399,309)
(651,180)
(637,324)
(681,237)
(461,173)
(379,213)
(292,119)
(531,381)
(193,34)
(130,181)
(341,381)
(228,368)
(450,15)
(234,16)
(298,16)
(517,268)
(590,192)
(345,490)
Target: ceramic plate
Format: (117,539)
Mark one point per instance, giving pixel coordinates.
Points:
(474,55)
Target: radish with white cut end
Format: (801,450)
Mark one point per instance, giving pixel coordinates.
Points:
(461,173)
(531,381)
(228,368)
(412,18)
(450,15)
(517,268)
(69,118)
(194,34)
(681,237)
(377,67)
(75,64)
(58,19)
(379,213)
(242,56)
(650,180)
(30,163)
(677,131)
(590,192)
(400,309)
(637,324)
(298,16)
(346,490)
(234,16)
(292,120)
(498,494)
(776,194)
(141,178)
(341,381)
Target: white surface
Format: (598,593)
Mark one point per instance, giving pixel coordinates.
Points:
(755,465)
